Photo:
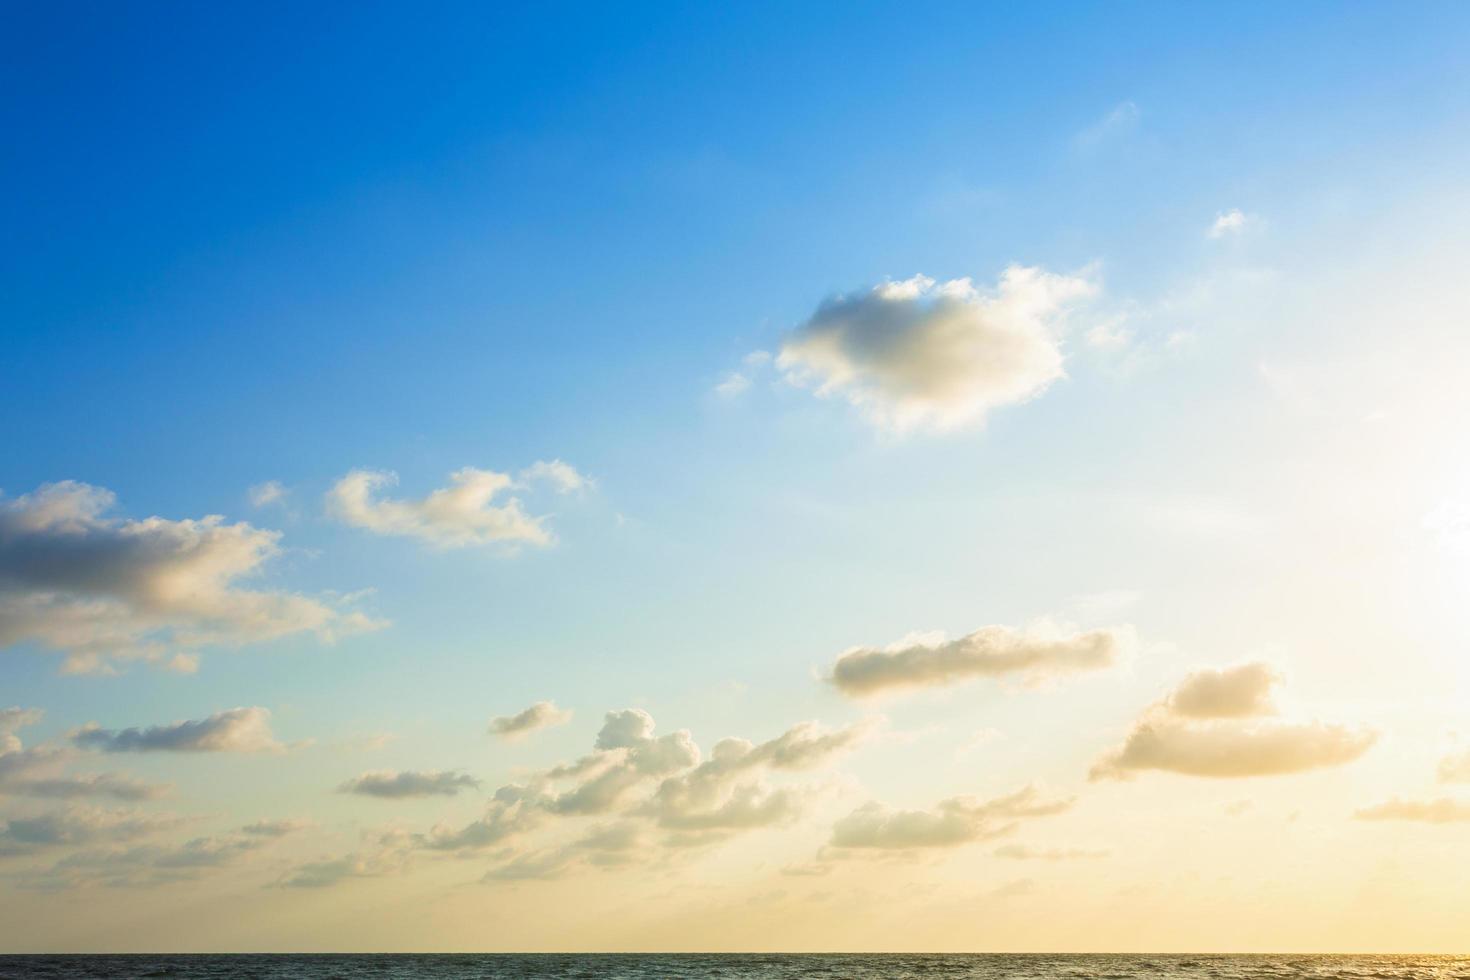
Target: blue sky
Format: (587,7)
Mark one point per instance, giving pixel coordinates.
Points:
(282,244)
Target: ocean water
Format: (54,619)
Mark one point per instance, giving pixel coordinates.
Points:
(639,966)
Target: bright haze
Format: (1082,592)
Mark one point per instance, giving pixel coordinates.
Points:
(735,477)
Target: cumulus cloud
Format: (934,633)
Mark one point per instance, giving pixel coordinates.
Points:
(235,730)
(101,589)
(1432,811)
(463,514)
(725,792)
(1207,727)
(388,784)
(932,660)
(542,714)
(955,821)
(918,354)
(1230,692)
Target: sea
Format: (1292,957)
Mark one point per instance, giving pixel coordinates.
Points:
(686,966)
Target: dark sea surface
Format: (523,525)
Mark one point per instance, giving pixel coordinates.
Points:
(638,966)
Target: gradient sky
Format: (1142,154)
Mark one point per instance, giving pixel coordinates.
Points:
(750,477)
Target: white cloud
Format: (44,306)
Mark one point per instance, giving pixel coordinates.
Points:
(542,714)
(388,784)
(1431,811)
(460,515)
(919,355)
(267,493)
(732,385)
(1208,726)
(1119,121)
(955,821)
(933,660)
(562,477)
(235,730)
(101,589)
(1232,222)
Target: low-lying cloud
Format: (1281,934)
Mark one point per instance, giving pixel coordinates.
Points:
(953,822)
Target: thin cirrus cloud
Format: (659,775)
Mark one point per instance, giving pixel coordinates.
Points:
(392,785)
(933,660)
(542,714)
(267,493)
(1455,768)
(474,510)
(920,355)
(1431,811)
(1211,725)
(952,823)
(104,590)
(235,730)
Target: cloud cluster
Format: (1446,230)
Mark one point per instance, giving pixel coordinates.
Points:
(235,730)
(662,796)
(101,589)
(388,784)
(37,772)
(1211,725)
(953,822)
(932,660)
(542,714)
(472,510)
(918,354)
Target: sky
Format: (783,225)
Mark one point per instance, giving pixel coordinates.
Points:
(695,477)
